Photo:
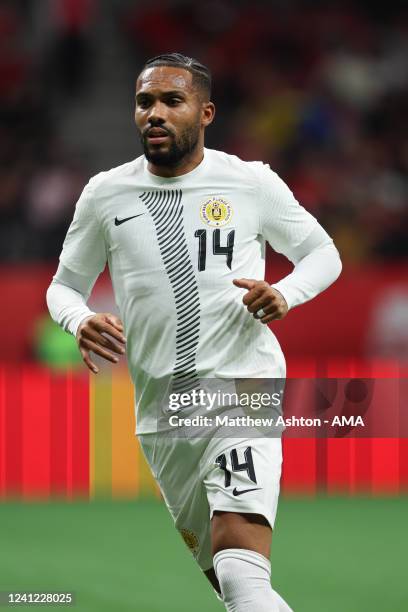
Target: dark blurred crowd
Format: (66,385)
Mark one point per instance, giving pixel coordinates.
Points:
(317,89)
(41,66)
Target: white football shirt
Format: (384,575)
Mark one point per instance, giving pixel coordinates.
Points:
(174,246)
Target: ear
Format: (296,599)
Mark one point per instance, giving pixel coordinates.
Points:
(207,113)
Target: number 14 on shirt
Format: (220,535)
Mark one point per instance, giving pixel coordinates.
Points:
(217,249)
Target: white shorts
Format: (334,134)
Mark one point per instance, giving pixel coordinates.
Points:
(198,476)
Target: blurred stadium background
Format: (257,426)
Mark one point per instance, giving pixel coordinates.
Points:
(320,91)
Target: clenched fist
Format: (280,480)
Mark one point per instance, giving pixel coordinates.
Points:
(103,334)
(261,295)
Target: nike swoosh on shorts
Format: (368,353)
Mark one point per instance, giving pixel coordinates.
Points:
(236,492)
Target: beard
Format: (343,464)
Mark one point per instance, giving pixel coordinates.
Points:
(180,147)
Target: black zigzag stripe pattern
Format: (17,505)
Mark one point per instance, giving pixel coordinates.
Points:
(166,209)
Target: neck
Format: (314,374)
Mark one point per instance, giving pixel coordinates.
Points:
(187,164)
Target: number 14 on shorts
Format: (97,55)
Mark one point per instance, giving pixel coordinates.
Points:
(236,466)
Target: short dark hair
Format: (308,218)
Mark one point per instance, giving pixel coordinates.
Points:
(201,74)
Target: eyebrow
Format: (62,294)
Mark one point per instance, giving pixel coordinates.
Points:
(174,92)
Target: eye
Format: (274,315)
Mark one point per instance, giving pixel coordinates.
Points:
(174,101)
(142,103)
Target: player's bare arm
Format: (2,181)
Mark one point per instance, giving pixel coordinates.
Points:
(101,334)
(262,301)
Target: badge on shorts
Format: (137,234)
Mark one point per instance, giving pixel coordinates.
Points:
(190,539)
(216,212)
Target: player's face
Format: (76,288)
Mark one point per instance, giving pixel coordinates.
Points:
(169,114)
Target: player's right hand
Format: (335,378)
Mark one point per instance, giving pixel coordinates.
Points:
(103,335)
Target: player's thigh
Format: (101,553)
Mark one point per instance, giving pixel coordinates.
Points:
(236,530)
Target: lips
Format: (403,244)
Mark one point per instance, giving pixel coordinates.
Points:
(156,135)
(156,131)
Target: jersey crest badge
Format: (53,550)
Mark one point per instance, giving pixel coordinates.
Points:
(190,539)
(216,212)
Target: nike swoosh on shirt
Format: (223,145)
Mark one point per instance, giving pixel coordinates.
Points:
(120,221)
(236,492)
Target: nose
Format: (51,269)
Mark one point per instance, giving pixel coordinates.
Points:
(157,114)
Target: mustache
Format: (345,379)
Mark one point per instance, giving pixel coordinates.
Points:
(146,131)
